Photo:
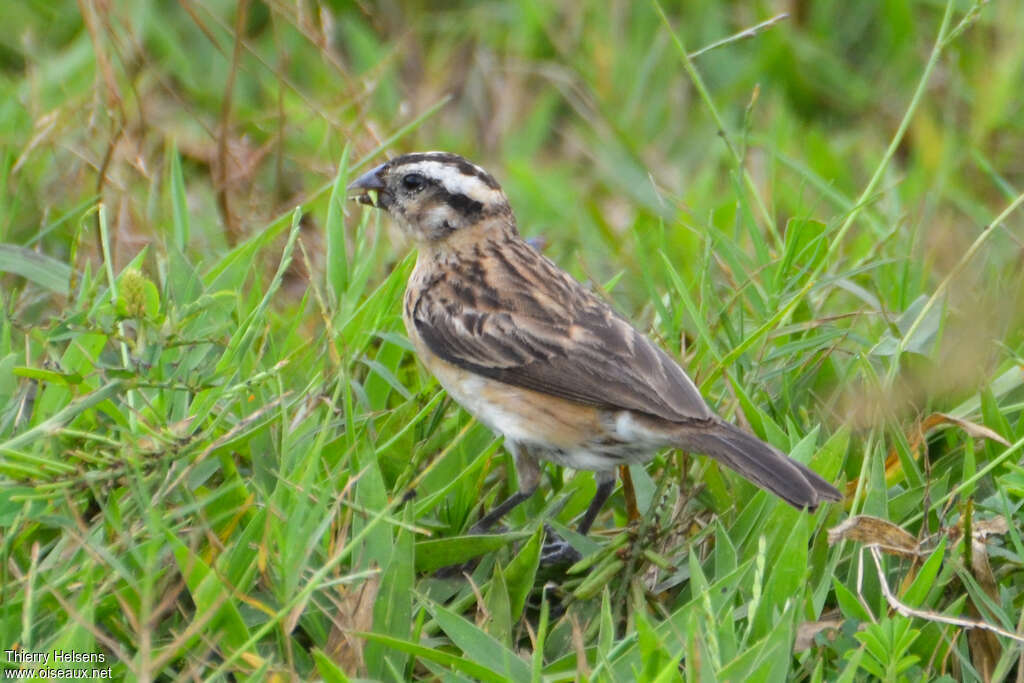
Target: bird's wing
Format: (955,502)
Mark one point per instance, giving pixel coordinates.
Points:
(555,337)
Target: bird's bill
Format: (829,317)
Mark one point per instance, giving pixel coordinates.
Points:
(369,181)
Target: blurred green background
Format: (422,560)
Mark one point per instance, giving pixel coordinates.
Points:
(207,447)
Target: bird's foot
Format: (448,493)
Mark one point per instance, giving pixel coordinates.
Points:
(556,551)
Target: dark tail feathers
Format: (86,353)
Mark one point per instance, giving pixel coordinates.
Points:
(762,464)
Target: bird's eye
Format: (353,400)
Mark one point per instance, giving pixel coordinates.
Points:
(413,181)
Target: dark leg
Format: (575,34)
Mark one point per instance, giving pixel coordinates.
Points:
(557,551)
(528,470)
(605,486)
(499,511)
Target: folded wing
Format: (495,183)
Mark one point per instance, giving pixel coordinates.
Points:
(583,351)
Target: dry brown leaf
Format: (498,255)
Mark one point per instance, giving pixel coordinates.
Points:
(917,433)
(878,532)
(916,436)
(582,666)
(253,660)
(929,615)
(982,529)
(808,630)
(984,646)
(483,615)
(354,614)
(878,535)
(974,429)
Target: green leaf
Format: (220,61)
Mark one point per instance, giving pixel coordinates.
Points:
(477,645)
(466,665)
(337,249)
(522,571)
(788,572)
(850,606)
(8,383)
(68,379)
(924,337)
(757,660)
(11,509)
(71,411)
(246,332)
(724,553)
(47,272)
(432,554)
(179,203)
(235,267)
(210,593)
(606,634)
(328,670)
(804,244)
(922,584)
(392,611)
(496,604)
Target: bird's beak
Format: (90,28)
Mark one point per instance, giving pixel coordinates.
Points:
(371,180)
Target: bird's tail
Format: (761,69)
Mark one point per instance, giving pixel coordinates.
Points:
(762,464)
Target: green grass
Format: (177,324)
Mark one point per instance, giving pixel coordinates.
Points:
(219,458)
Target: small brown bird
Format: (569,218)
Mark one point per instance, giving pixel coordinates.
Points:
(538,358)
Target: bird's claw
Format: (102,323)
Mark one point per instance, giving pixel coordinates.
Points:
(556,550)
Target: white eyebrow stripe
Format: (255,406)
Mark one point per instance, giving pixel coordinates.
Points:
(455,181)
(479,169)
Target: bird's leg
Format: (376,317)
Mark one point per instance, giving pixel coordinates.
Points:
(499,511)
(605,486)
(528,471)
(558,551)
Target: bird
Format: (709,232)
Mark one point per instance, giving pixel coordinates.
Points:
(538,357)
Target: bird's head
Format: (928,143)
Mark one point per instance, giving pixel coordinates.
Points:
(432,195)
